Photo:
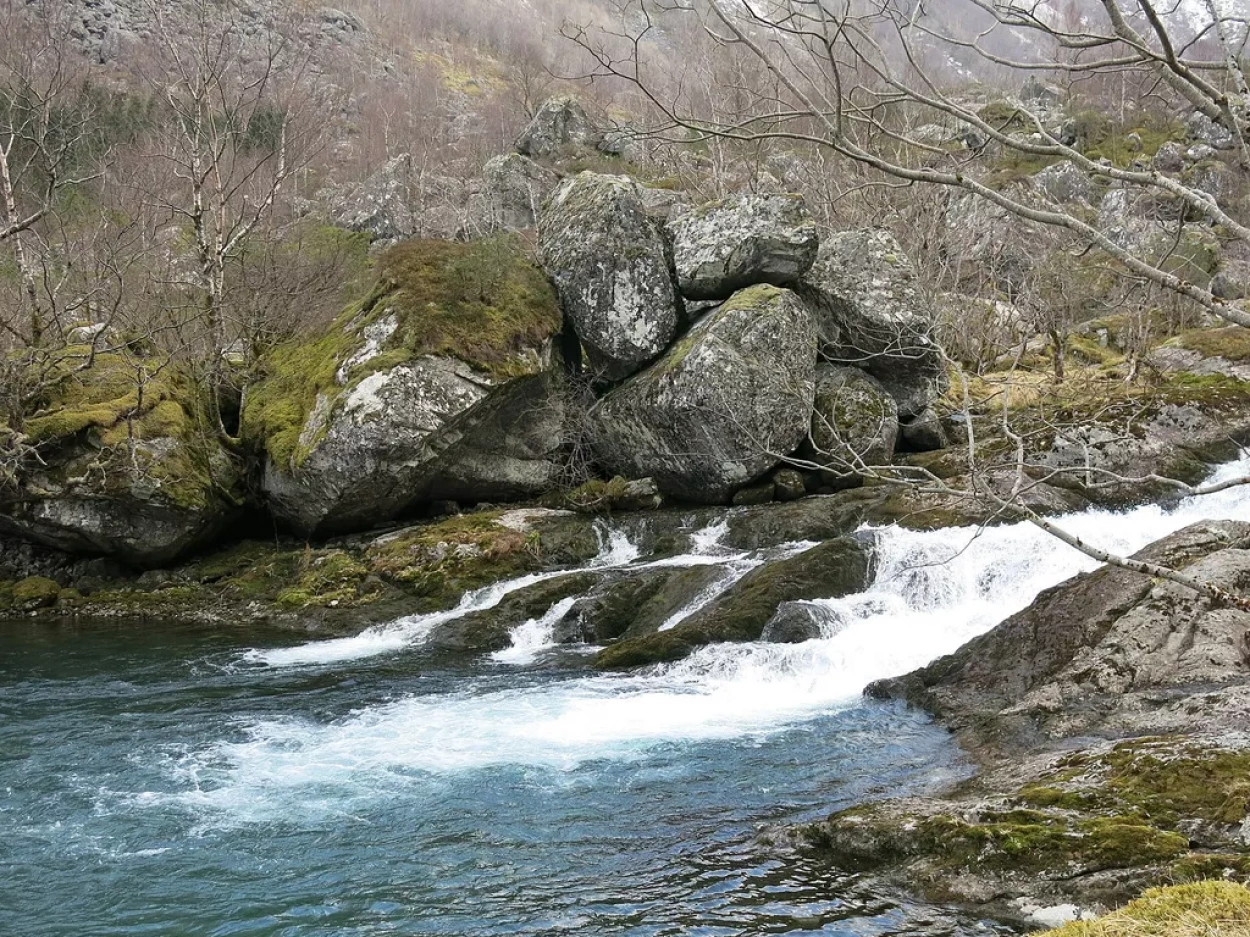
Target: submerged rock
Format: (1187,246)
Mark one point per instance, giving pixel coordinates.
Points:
(419,385)
(724,404)
(608,261)
(124,459)
(870,315)
(829,570)
(724,246)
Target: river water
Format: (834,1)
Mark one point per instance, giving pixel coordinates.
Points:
(176,781)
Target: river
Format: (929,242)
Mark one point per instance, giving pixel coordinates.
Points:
(183,781)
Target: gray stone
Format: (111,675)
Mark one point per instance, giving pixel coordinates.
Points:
(610,268)
(382,206)
(869,314)
(724,246)
(513,190)
(1170,157)
(720,408)
(562,126)
(759,493)
(924,433)
(796,622)
(788,484)
(854,424)
(1205,130)
(1064,182)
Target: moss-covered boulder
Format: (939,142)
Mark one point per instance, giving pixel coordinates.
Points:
(119,457)
(724,246)
(722,407)
(435,385)
(854,424)
(870,314)
(832,569)
(609,263)
(633,603)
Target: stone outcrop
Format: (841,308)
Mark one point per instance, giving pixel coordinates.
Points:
(122,459)
(418,391)
(722,406)
(869,314)
(721,247)
(609,264)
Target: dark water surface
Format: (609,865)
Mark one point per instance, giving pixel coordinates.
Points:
(153,782)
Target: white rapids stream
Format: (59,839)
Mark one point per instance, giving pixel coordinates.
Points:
(932,592)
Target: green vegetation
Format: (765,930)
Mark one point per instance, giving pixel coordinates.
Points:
(128,405)
(1201,909)
(1231,343)
(483,302)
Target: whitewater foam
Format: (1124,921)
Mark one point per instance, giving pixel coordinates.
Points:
(933,591)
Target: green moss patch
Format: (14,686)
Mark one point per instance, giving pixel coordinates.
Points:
(120,403)
(483,302)
(1232,343)
(1201,909)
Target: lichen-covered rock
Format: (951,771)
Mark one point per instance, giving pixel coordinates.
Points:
(513,191)
(561,126)
(123,459)
(382,206)
(724,246)
(854,423)
(608,261)
(862,290)
(1063,182)
(422,383)
(722,406)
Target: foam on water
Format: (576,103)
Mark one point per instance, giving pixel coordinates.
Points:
(533,637)
(933,591)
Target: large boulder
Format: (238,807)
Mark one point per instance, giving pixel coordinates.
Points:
(722,407)
(513,190)
(562,126)
(721,247)
(870,314)
(122,458)
(423,382)
(608,261)
(854,423)
(382,206)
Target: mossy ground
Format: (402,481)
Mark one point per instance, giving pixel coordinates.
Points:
(427,567)
(1199,909)
(1134,806)
(482,302)
(127,408)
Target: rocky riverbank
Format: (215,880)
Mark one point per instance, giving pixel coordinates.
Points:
(1111,725)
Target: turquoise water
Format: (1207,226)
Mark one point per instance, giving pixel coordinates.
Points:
(150,783)
(176,781)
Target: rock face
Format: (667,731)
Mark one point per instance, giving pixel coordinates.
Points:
(607,259)
(142,479)
(869,314)
(1101,651)
(722,247)
(434,384)
(720,408)
(854,423)
(561,125)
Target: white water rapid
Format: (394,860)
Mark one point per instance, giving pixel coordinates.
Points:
(932,592)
